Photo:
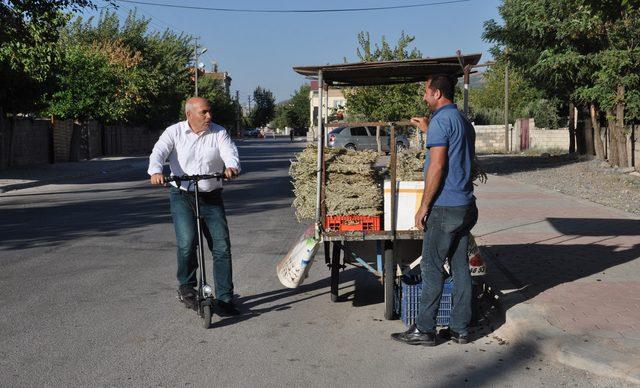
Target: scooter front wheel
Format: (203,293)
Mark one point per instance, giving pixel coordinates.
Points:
(206,316)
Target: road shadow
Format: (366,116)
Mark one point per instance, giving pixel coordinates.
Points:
(465,372)
(284,298)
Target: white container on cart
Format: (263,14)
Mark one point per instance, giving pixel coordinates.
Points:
(408,198)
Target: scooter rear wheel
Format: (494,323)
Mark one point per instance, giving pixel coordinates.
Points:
(206,316)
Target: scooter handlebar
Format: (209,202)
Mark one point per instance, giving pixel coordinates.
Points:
(193,178)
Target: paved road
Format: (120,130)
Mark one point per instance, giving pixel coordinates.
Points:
(88,298)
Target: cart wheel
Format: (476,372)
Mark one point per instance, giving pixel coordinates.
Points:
(335,271)
(206,316)
(389,281)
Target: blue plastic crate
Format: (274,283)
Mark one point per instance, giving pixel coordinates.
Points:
(410,300)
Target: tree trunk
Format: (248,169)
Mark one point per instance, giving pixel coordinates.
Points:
(588,132)
(581,143)
(572,131)
(4,163)
(12,137)
(621,142)
(597,139)
(378,139)
(613,135)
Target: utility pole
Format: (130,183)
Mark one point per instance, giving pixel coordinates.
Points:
(196,54)
(238,134)
(506,107)
(195,64)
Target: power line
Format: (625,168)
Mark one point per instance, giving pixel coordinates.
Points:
(152,19)
(329,10)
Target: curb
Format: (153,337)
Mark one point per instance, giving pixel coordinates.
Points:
(525,323)
(43,182)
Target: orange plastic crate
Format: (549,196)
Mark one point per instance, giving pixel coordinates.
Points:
(352,223)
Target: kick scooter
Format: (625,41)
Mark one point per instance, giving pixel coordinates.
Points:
(205,300)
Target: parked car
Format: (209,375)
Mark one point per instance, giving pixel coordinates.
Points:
(364,138)
(255,132)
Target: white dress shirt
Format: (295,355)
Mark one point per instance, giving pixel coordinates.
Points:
(189,153)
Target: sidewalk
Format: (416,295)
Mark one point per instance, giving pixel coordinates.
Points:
(567,273)
(31,176)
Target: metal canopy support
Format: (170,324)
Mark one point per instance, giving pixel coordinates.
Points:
(320,161)
(392,168)
(467,70)
(326,118)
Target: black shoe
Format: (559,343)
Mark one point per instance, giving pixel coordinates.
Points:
(455,337)
(188,295)
(414,336)
(226,308)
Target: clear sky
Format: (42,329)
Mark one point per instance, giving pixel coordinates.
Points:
(261,48)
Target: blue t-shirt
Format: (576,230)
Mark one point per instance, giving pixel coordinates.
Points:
(448,127)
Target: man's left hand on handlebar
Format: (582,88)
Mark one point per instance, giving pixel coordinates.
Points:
(157,179)
(230,173)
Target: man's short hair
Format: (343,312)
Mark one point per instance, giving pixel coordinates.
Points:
(190,103)
(445,84)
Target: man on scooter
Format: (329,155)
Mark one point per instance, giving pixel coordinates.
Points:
(198,146)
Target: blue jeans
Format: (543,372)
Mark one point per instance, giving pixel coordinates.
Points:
(446,235)
(216,233)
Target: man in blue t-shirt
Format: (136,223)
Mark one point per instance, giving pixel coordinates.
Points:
(447,213)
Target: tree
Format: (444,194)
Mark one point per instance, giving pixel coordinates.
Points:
(97,81)
(584,52)
(223,108)
(264,110)
(28,50)
(386,102)
(294,112)
(487,101)
(164,60)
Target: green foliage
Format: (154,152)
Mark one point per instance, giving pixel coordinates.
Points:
(574,50)
(99,82)
(388,102)
(487,101)
(164,59)
(265,108)
(544,112)
(29,51)
(223,108)
(294,112)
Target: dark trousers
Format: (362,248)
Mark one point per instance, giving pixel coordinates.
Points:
(216,233)
(446,235)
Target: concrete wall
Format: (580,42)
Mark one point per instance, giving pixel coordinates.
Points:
(549,139)
(490,138)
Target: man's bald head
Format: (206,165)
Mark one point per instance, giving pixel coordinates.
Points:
(195,101)
(198,112)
